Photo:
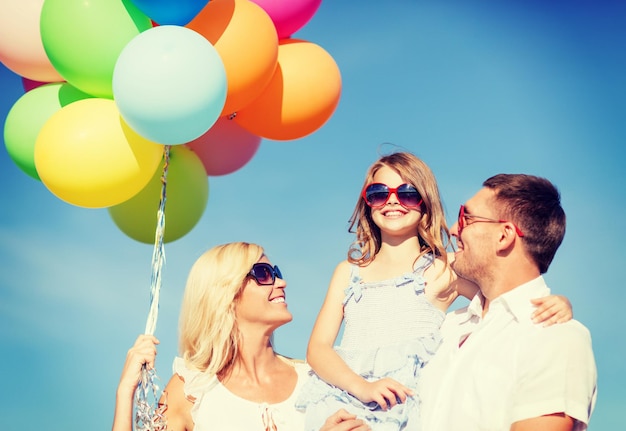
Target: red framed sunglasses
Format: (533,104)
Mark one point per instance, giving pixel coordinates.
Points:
(377,194)
(463,216)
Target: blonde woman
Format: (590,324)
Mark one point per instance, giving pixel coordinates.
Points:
(228,376)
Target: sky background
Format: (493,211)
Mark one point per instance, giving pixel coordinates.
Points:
(472,88)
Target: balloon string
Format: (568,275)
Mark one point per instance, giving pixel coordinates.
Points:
(158,254)
(148,418)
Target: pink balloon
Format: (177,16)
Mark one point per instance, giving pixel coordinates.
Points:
(21,49)
(225,147)
(30,84)
(289,16)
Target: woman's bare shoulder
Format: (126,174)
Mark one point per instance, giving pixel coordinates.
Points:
(178,406)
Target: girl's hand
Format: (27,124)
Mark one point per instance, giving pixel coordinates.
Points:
(143,352)
(552,309)
(386,392)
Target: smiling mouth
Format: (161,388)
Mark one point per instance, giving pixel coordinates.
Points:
(393,213)
(278,300)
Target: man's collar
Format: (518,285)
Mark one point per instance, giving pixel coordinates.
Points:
(516,301)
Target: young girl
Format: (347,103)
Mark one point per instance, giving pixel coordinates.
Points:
(392,294)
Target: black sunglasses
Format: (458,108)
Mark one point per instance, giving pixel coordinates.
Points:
(264,274)
(377,194)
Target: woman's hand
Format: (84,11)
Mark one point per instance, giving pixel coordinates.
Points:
(143,352)
(344,421)
(552,309)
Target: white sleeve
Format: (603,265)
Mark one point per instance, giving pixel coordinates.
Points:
(557,374)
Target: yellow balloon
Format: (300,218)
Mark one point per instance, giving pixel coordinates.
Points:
(87,156)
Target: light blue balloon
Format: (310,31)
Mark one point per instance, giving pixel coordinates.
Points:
(169,84)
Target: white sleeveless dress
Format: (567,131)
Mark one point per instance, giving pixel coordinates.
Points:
(391,330)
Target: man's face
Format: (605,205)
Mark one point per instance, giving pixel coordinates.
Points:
(477,233)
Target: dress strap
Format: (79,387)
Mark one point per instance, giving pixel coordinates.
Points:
(355,286)
(417,276)
(423,263)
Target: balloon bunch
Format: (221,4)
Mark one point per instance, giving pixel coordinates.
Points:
(110,83)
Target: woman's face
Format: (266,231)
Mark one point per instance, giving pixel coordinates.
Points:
(262,306)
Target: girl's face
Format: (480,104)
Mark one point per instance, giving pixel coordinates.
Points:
(392,218)
(262,305)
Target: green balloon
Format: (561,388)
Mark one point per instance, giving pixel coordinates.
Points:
(187,194)
(83,38)
(28,115)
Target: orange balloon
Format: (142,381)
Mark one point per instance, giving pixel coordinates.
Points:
(301,96)
(245,37)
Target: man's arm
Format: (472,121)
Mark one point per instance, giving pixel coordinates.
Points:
(553,422)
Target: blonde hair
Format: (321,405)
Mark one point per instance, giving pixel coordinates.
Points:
(432,230)
(208,332)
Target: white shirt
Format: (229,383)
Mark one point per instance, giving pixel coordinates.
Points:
(508,369)
(217,409)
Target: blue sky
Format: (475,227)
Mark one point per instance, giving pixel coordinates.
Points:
(473,88)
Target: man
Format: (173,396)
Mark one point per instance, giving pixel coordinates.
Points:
(496,370)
